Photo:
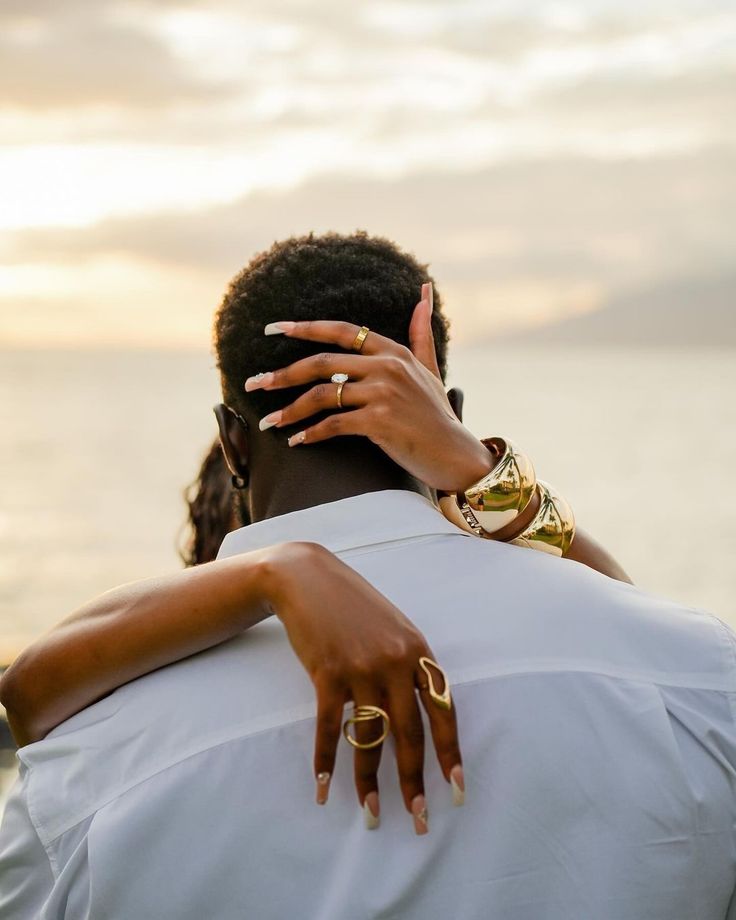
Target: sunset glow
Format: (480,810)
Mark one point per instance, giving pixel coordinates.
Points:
(149,150)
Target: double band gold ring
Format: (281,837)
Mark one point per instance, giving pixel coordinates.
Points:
(366,714)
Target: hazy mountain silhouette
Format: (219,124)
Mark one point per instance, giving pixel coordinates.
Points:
(695,311)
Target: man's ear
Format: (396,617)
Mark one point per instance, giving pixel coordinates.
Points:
(234,442)
(456,398)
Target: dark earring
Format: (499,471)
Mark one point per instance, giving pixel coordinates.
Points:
(233,430)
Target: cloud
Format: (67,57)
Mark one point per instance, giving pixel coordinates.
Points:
(535,153)
(573,218)
(54,55)
(222,69)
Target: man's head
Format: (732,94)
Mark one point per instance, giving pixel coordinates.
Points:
(359,279)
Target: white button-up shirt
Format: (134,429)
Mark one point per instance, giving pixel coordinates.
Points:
(597,728)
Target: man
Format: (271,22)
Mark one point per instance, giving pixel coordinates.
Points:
(597,723)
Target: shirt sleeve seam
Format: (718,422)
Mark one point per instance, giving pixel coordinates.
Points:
(53,865)
(729,641)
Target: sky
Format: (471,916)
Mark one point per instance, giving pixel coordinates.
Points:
(545,158)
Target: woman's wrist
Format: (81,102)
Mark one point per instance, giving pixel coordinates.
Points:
(471,463)
(509,504)
(285,570)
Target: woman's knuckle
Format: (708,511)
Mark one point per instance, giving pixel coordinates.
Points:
(398,367)
(399,653)
(384,391)
(333,424)
(411,734)
(380,412)
(362,669)
(330,675)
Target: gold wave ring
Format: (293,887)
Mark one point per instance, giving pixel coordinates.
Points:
(366,714)
(443,700)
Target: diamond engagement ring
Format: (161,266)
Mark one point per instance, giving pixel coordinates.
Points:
(340,380)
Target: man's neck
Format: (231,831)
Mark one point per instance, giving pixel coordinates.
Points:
(285,479)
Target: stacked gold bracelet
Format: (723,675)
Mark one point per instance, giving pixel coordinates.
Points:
(498,499)
(553,526)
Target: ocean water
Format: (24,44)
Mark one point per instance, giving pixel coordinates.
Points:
(97,447)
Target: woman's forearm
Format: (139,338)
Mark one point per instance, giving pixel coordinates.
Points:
(583,549)
(588,551)
(128,632)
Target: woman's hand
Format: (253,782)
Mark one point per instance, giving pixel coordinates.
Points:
(355,645)
(394,396)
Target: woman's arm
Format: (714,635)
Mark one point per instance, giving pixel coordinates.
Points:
(125,633)
(588,551)
(396,398)
(349,638)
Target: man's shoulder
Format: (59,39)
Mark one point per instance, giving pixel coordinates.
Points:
(502,607)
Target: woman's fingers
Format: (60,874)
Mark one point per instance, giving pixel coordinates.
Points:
(330,702)
(354,422)
(316,367)
(320,398)
(334,332)
(367,760)
(421,338)
(408,731)
(443,725)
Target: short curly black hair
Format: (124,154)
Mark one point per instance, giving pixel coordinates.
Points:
(358,278)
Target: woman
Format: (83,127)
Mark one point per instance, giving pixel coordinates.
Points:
(138,628)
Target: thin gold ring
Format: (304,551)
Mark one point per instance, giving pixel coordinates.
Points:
(360,338)
(366,714)
(443,700)
(340,380)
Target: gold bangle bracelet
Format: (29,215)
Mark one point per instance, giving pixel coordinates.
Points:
(502,495)
(552,529)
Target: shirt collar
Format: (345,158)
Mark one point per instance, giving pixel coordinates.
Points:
(363,520)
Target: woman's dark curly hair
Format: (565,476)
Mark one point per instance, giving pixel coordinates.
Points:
(215,508)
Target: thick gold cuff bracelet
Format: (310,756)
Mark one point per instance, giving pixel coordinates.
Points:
(501,496)
(553,527)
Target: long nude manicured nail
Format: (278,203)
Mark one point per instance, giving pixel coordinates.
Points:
(258,381)
(323,787)
(297,438)
(419,813)
(457,781)
(430,296)
(278,328)
(268,421)
(371,811)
